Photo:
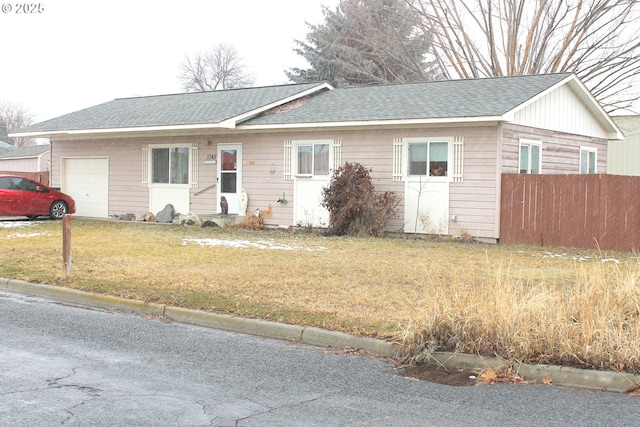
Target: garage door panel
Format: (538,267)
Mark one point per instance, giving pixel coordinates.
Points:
(87,181)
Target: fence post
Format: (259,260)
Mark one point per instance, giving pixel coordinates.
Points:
(66,243)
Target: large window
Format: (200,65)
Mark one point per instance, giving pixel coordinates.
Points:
(587,160)
(530,157)
(429,158)
(170,165)
(313,159)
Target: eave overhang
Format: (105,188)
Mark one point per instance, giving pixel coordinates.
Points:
(229,123)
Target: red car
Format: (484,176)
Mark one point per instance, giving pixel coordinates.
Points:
(21,196)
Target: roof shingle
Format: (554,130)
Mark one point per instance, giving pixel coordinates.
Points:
(427,100)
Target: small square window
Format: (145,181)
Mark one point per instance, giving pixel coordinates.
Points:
(530,157)
(313,159)
(429,158)
(588,160)
(170,165)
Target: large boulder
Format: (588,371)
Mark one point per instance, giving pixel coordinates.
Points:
(166,215)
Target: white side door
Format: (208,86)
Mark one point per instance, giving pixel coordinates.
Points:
(230,176)
(169,177)
(427,181)
(312,173)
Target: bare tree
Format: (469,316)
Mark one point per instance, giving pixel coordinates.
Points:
(218,68)
(13,117)
(596,39)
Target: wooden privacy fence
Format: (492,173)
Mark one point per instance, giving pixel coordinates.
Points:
(582,211)
(41,177)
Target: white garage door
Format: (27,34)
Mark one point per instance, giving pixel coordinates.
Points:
(87,181)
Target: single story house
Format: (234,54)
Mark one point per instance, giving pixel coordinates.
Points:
(441,146)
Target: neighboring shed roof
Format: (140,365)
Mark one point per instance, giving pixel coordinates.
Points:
(25,152)
(5,146)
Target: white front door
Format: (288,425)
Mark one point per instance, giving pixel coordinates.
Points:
(230,176)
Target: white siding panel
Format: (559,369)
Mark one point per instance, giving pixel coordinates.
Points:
(623,157)
(20,165)
(560,110)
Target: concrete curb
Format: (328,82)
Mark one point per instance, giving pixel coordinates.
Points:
(618,382)
(558,375)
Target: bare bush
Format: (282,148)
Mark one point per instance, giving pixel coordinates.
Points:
(355,209)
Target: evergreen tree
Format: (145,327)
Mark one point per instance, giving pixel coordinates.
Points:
(365,42)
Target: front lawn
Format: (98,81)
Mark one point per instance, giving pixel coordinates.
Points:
(529,304)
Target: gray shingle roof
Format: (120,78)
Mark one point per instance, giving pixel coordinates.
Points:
(29,151)
(166,110)
(429,100)
(5,147)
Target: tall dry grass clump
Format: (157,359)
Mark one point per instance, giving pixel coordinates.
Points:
(590,322)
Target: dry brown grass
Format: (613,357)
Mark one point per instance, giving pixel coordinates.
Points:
(528,304)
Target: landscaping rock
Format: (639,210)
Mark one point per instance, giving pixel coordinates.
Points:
(166,214)
(190,219)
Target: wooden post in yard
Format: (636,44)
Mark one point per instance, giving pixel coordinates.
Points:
(66,243)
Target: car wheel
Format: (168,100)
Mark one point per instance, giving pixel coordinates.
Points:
(58,209)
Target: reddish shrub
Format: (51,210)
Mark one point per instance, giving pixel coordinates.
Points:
(355,209)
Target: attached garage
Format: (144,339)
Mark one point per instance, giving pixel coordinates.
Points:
(86,179)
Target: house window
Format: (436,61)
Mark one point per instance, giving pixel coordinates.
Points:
(429,158)
(170,165)
(587,160)
(313,159)
(530,157)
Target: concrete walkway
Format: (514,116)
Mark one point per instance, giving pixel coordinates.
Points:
(557,375)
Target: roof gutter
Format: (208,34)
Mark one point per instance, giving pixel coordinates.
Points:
(231,125)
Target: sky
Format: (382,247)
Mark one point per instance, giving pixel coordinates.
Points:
(73,54)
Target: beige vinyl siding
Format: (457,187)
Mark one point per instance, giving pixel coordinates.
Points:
(474,200)
(560,151)
(374,149)
(125,192)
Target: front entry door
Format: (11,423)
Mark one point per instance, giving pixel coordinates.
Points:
(230,175)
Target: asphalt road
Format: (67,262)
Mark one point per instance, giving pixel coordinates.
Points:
(73,366)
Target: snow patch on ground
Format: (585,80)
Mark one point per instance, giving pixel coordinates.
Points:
(21,224)
(17,224)
(244,244)
(576,257)
(23,235)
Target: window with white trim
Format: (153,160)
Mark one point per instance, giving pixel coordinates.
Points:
(169,165)
(428,158)
(530,161)
(312,159)
(588,160)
